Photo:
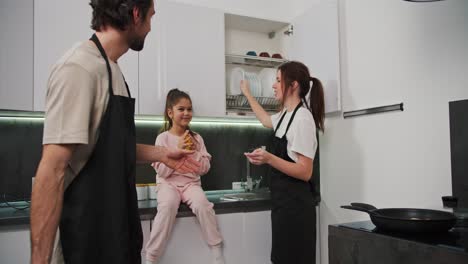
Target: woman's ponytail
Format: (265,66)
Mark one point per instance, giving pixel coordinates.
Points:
(317,103)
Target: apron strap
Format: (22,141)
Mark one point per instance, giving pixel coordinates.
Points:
(109,71)
(96,41)
(281,120)
(292,117)
(290,120)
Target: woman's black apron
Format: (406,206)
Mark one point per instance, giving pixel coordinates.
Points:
(100,222)
(293,216)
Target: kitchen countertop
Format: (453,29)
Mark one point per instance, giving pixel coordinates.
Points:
(456,238)
(147,208)
(362,242)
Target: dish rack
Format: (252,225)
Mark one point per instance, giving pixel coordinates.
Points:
(263,62)
(239,103)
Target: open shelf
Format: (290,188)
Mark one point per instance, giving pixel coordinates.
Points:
(256,61)
(239,103)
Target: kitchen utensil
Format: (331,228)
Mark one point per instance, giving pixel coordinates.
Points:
(450,201)
(277,56)
(152,191)
(236,75)
(406,219)
(255,85)
(267,77)
(461,214)
(251,53)
(142,192)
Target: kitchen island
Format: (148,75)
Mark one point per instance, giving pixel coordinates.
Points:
(361,242)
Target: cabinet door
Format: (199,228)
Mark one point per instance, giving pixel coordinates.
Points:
(189,56)
(58,25)
(152,86)
(256,240)
(15,245)
(315,43)
(16,53)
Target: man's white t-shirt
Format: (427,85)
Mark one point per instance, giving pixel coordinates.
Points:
(301,135)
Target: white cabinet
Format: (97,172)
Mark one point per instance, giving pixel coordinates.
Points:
(247,239)
(315,43)
(187,235)
(15,246)
(16,54)
(185,52)
(58,25)
(256,241)
(311,38)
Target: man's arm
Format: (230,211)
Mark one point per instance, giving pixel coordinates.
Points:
(47,200)
(174,158)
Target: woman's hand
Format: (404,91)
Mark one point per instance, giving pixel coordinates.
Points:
(259,156)
(245,88)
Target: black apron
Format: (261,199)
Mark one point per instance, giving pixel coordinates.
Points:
(293,210)
(100,222)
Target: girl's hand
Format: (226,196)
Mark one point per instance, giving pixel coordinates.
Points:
(259,156)
(245,87)
(186,141)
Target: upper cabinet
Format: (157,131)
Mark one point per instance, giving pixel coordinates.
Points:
(315,42)
(253,49)
(184,51)
(254,45)
(203,51)
(16,53)
(58,25)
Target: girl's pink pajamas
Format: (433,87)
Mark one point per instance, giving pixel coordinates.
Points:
(173,188)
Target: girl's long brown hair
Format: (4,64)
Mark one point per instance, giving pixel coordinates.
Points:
(173,97)
(296,71)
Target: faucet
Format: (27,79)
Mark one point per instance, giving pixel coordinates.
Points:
(249,180)
(251,184)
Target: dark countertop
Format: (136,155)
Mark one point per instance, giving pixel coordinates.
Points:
(456,238)
(11,217)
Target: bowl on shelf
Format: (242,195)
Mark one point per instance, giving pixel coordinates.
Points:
(251,53)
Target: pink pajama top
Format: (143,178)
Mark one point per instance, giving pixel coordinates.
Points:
(168,175)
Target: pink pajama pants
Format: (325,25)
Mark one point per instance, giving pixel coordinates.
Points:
(169,197)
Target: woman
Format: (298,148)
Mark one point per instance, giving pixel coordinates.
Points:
(290,156)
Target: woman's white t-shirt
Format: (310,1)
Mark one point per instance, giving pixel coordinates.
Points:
(301,135)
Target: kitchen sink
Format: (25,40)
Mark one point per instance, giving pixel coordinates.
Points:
(247,196)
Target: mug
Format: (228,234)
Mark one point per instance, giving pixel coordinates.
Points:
(142,192)
(152,190)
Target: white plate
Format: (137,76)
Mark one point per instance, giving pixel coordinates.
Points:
(267,78)
(235,77)
(255,85)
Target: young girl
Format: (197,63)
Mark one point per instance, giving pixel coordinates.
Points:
(290,155)
(174,187)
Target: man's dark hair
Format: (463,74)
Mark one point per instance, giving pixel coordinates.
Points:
(116,13)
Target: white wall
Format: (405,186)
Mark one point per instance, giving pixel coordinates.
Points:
(391,52)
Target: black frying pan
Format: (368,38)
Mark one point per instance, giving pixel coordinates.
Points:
(406,219)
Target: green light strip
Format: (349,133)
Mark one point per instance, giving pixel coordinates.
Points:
(148,120)
(205,123)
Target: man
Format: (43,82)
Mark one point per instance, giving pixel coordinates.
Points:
(85,181)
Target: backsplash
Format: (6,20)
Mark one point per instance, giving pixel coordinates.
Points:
(226,139)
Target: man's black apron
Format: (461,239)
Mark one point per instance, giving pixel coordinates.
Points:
(100,221)
(293,210)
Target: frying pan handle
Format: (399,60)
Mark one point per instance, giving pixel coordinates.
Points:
(364,205)
(356,208)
